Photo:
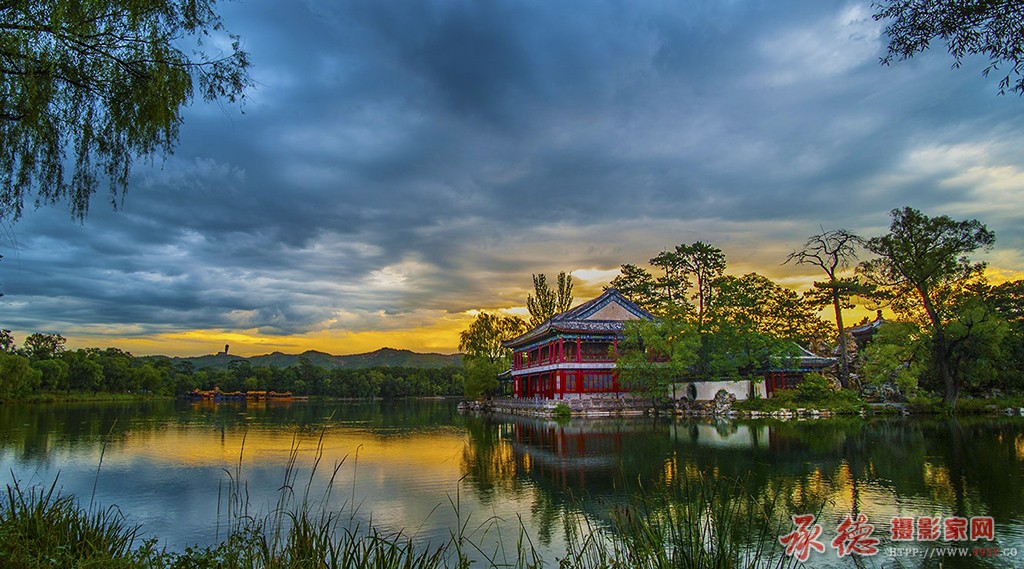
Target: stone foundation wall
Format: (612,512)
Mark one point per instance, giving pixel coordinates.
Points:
(596,405)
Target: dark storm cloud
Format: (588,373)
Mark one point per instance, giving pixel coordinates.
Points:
(401,159)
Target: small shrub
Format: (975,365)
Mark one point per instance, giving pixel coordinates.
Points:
(815,387)
(814,392)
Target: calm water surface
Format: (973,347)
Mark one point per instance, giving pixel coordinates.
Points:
(421,468)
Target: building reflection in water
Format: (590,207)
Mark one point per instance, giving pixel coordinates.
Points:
(581,461)
(722,434)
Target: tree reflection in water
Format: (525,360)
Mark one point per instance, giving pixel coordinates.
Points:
(879,467)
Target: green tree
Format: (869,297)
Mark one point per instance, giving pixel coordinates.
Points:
(654,356)
(117,369)
(54,374)
(7,343)
(922,265)
(237,372)
(106,81)
(638,285)
(834,252)
(761,304)
(1007,299)
(739,324)
(44,346)
(815,387)
(976,334)
(897,353)
(482,376)
(673,283)
(705,264)
(184,367)
(549,301)
(485,356)
(149,379)
(184,383)
(754,322)
(84,374)
(686,284)
(483,338)
(991,28)
(17,378)
(314,377)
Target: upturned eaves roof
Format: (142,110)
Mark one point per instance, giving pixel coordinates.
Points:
(577,319)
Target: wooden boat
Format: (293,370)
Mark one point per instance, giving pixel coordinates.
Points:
(216,394)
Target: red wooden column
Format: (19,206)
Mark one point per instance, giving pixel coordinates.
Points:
(579,350)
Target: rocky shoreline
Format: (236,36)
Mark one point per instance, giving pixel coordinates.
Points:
(720,407)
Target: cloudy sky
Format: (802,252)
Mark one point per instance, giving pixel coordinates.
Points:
(402,164)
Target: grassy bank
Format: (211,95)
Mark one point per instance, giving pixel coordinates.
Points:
(808,395)
(848,403)
(967,405)
(815,392)
(79,397)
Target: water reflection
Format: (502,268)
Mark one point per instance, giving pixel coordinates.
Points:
(882,468)
(721,434)
(404,464)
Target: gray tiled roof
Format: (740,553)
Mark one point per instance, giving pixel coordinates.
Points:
(575,319)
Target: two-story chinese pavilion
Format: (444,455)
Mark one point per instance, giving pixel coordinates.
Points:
(572,354)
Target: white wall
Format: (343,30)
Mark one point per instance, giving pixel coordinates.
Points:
(706,390)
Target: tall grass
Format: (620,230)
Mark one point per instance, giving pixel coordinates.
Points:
(699,523)
(690,523)
(40,528)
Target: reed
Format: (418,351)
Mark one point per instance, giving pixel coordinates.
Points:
(40,528)
(692,523)
(700,523)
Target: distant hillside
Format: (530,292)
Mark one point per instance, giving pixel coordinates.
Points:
(389,357)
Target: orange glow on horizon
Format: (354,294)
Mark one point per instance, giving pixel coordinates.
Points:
(439,336)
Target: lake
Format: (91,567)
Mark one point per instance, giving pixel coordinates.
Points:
(421,468)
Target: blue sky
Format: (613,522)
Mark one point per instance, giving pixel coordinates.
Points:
(402,164)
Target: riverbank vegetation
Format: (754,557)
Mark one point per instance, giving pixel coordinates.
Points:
(955,333)
(43,369)
(815,392)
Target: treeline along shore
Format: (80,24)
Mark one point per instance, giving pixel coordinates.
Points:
(41,368)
